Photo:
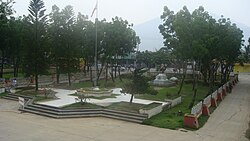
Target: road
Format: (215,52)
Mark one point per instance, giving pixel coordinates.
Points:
(227,123)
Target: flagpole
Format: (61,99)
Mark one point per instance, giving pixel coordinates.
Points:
(96,39)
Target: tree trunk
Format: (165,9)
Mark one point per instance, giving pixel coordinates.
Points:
(131,98)
(36,81)
(112,74)
(195,92)
(183,77)
(193,99)
(100,73)
(205,76)
(91,76)
(69,78)
(106,75)
(16,66)
(57,75)
(193,71)
(1,73)
(211,81)
(119,73)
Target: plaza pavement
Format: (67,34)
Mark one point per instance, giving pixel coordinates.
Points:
(228,123)
(64,98)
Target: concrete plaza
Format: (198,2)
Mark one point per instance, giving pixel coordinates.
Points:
(228,123)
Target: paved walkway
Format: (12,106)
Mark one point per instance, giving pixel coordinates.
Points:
(230,120)
(64,98)
(227,123)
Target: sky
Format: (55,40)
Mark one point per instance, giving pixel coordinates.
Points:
(140,11)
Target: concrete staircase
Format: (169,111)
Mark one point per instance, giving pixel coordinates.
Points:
(59,113)
(14,97)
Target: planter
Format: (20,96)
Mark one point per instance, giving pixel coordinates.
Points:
(94,93)
(2,90)
(175,101)
(151,109)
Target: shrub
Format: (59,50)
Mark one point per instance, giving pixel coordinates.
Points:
(151,91)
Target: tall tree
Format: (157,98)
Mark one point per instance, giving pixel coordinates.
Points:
(198,38)
(35,60)
(5,12)
(69,52)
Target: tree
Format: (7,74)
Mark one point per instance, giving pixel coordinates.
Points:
(198,38)
(66,34)
(5,12)
(16,34)
(246,52)
(139,84)
(55,35)
(35,60)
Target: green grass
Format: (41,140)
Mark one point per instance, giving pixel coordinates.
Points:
(126,107)
(100,98)
(101,83)
(3,94)
(170,118)
(163,93)
(80,105)
(11,75)
(151,106)
(30,91)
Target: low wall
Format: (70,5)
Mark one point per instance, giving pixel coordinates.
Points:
(2,90)
(151,112)
(176,101)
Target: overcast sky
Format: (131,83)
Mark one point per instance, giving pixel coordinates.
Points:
(139,11)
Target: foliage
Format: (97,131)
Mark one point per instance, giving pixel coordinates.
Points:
(198,38)
(169,118)
(149,58)
(125,106)
(138,85)
(5,12)
(35,60)
(83,106)
(38,41)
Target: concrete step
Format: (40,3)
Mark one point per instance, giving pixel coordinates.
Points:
(50,108)
(56,109)
(24,96)
(37,104)
(10,98)
(122,118)
(80,115)
(39,113)
(126,113)
(63,113)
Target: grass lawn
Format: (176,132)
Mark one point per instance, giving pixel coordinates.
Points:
(3,94)
(170,118)
(38,95)
(100,98)
(119,106)
(126,107)
(163,93)
(88,84)
(79,105)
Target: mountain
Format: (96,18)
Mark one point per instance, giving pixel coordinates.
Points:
(151,38)
(246,31)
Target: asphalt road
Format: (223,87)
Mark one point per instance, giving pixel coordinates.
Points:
(227,123)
